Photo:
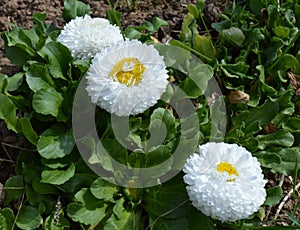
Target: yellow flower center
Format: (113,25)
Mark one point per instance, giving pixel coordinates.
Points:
(229,168)
(128,71)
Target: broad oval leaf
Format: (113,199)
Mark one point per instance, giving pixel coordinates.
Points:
(17,185)
(56,176)
(47,102)
(55,143)
(58,58)
(8,113)
(73,8)
(233,36)
(37,77)
(102,189)
(282,138)
(79,213)
(29,218)
(274,195)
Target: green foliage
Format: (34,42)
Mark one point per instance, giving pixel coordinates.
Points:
(73,8)
(256,52)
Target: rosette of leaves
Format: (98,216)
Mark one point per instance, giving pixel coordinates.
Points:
(255,54)
(53,187)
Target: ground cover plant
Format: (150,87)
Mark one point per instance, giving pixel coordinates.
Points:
(234,81)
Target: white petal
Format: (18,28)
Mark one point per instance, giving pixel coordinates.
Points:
(212,193)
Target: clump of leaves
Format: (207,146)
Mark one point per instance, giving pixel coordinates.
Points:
(255,59)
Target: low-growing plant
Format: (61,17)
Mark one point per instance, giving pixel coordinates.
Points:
(245,91)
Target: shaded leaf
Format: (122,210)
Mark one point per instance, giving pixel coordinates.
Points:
(281,138)
(14,188)
(29,218)
(274,195)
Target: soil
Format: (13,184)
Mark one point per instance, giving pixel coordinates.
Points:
(134,12)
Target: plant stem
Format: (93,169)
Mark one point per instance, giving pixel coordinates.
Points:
(192,50)
(116,19)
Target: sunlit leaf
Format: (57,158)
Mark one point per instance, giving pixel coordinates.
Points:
(57,177)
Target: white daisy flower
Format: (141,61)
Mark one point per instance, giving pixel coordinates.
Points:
(86,36)
(128,78)
(225,181)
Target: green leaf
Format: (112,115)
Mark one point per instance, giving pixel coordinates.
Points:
(157,23)
(29,218)
(78,181)
(79,213)
(14,82)
(18,46)
(274,195)
(193,10)
(126,220)
(196,84)
(233,36)
(62,223)
(160,200)
(200,5)
(282,32)
(282,138)
(47,102)
(58,58)
(44,188)
(292,124)
(168,119)
(287,61)
(289,157)
(119,208)
(56,142)
(8,113)
(38,78)
(44,202)
(188,28)
(8,216)
(3,223)
(113,16)
(102,189)
(28,131)
(268,159)
(56,176)
(14,188)
(204,45)
(132,33)
(85,197)
(73,8)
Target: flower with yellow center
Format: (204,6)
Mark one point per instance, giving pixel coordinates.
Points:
(224,181)
(127,79)
(86,36)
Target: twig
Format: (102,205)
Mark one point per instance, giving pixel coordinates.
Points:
(7,153)
(19,209)
(281,180)
(17,147)
(13,188)
(285,200)
(1,159)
